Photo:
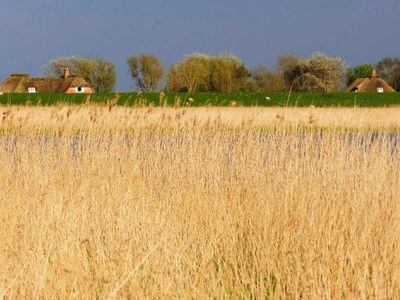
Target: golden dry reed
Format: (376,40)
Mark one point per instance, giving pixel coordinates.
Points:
(199,203)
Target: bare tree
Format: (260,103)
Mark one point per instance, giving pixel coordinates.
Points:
(389,69)
(289,65)
(147,71)
(268,80)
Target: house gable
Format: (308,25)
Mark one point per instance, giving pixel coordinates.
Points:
(21,83)
(370,85)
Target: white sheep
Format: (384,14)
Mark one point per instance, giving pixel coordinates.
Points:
(267,99)
(189,101)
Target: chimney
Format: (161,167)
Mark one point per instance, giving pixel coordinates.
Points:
(66,73)
(374,74)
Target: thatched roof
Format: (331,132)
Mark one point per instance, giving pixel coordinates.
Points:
(370,85)
(19,83)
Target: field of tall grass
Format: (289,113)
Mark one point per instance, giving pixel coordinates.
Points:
(196,203)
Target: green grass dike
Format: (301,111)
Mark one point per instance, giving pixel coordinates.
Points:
(209,99)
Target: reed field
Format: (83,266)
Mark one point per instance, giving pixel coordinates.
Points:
(110,202)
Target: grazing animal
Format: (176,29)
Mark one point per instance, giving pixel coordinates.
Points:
(189,101)
(267,99)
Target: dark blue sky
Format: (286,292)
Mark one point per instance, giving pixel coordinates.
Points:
(258,31)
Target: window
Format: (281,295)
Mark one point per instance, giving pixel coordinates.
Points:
(380,89)
(31,90)
(80,89)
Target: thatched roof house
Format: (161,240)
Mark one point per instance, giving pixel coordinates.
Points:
(370,85)
(22,83)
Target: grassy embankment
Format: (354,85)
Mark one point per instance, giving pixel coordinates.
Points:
(213,99)
(200,203)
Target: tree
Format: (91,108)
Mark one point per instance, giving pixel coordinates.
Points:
(104,76)
(203,72)
(308,82)
(99,73)
(389,69)
(147,70)
(360,71)
(330,70)
(317,73)
(189,75)
(78,66)
(268,81)
(228,74)
(289,66)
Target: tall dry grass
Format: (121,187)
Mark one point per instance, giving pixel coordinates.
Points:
(91,118)
(198,204)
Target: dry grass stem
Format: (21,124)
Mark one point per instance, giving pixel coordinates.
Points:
(247,203)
